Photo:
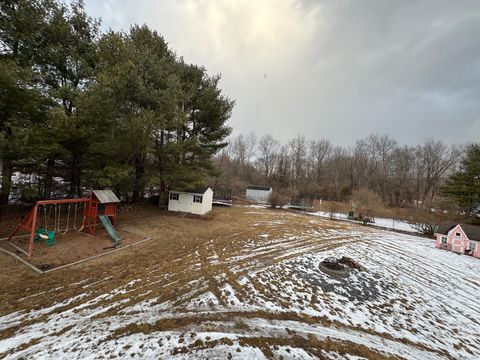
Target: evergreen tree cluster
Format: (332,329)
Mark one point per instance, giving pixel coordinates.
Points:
(83,109)
(464,185)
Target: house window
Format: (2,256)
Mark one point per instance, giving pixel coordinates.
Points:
(174,196)
(444,239)
(472,246)
(457,234)
(197,198)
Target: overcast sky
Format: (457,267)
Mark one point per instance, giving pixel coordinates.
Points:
(335,69)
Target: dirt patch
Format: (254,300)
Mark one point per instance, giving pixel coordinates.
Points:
(69,248)
(242,201)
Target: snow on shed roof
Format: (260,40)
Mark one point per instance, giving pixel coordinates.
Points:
(259,187)
(106,196)
(472,231)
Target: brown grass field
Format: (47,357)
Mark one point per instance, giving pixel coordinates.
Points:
(186,257)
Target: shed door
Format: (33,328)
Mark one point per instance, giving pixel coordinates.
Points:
(457,245)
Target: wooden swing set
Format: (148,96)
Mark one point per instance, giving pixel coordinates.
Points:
(96,205)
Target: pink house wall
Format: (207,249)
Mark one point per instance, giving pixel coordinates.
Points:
(456,243)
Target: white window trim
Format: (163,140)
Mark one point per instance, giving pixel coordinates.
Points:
(195,197)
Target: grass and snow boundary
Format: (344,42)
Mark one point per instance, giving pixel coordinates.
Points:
(408,303)
(386,223)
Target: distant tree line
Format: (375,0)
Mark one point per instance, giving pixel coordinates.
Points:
(317,169)
(84,109)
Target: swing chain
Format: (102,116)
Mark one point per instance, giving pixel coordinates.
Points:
(55,217)
(68,219)
(84,217)
(45,215)
(59,213)
(75,218)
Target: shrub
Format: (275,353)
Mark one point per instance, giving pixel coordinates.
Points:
(279,198)
(367,204)
(423,221)
(332,209)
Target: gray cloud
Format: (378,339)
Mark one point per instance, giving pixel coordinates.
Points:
(335,69)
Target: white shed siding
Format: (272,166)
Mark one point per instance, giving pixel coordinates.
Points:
(185,203)
(259,196)
(197,208)
(205,206)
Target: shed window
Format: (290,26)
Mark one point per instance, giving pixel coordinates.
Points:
(198,198)
(472,246)
(457,234)
(444,239)
(174,196)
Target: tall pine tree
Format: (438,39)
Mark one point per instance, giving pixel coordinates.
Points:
(23,105)
(464,185)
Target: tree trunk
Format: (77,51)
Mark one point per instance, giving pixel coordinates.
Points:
(139,171)
(75,177)
(7,172)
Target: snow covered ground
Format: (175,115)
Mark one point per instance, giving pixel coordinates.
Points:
(268,299)
(382,222)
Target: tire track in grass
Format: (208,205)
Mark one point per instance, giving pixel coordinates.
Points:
(375,258)
(405,272)
(284,326)
(432,266)
(431,281)
(280,254)
(165,291)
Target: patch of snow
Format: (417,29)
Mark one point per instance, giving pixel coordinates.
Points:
(387,223)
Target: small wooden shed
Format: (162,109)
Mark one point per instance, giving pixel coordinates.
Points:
(195,201)
(258,193)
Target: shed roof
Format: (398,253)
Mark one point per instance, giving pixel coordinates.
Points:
(472,231)
(198,190)
(259,187)
(106,196)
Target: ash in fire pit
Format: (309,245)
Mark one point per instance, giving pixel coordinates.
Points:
(339,267)
(351,263)
(333,264)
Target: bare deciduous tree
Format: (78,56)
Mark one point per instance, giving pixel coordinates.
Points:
(268,151)
(434,159)
(320,151)
(402,176)
(298,153)
(243,149)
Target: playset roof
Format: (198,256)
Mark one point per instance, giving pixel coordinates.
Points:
(106,196)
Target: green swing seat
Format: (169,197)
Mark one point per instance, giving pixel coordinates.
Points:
(51,236)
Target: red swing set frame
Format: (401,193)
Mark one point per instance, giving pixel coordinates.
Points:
(93,208)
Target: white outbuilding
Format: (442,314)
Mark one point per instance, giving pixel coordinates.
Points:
(259,194)
(197,201)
